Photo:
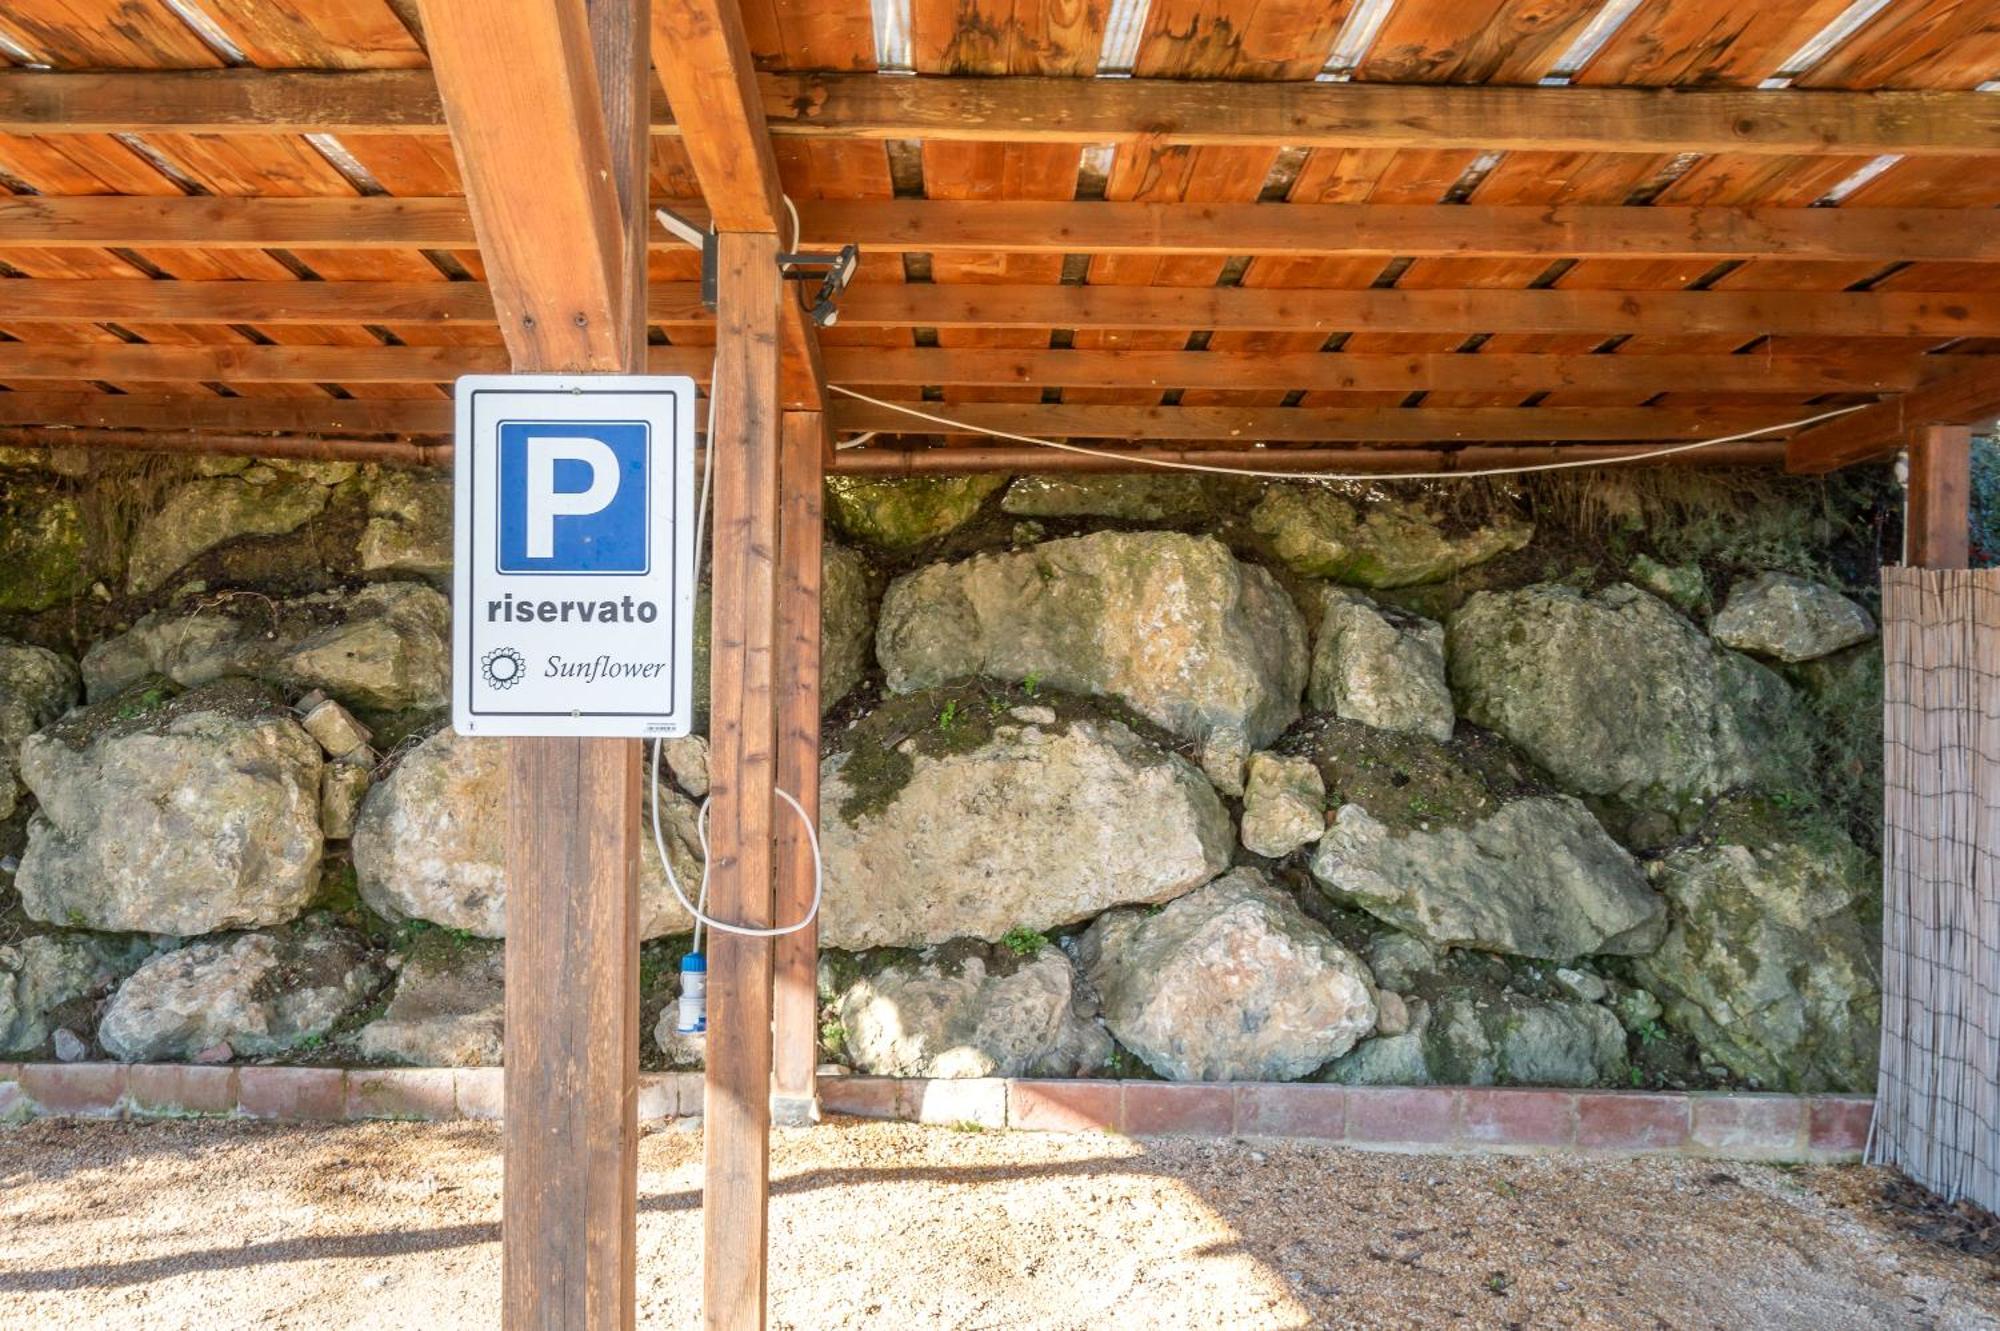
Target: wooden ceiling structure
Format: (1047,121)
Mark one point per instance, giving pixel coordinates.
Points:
(1337,234)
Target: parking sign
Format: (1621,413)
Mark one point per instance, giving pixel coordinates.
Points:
(573,611)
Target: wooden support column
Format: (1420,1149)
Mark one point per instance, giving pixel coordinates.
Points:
(546,104)
(796,1015)
(742,750)
(1937,518)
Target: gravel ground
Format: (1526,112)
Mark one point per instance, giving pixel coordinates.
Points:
(225,1225)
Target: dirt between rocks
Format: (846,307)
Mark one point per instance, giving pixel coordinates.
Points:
(194,1224)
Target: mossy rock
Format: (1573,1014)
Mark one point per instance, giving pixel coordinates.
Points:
(896,515)
(44,549)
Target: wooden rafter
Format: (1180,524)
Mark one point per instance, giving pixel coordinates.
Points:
(1767,370)
(1969,397)
(1164,112)
(425,416)
(704,63)
(1962,235)
(1893,314)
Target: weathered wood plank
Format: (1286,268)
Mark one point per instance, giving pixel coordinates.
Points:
(1895,314)
(1937,517)
(1964,235)
(742,753)
(1768,371)
(795,961)
(1969,397)
(1167,112)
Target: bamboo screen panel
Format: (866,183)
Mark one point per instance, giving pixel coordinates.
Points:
(1937,1111)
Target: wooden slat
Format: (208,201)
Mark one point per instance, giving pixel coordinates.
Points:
(1308,424)
(1387,230)
(1029,227)
(545,103)
(198,411)
(1890,314)
(1081,110)
(1937,515)
(742,748)
(795,960)
(1769,370)
(1969,397)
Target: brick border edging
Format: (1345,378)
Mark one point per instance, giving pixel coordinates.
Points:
(287,1094)
(1783,1128)
(1820,1129)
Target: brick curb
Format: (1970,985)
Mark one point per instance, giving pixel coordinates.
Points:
(1822,1129)
(287,1094)
(1782,1128)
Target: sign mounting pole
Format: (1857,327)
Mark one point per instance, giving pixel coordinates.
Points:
(547,107)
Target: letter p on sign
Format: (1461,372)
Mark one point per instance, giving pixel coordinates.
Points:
(573,497)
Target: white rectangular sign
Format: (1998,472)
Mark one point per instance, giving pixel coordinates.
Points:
(573,611)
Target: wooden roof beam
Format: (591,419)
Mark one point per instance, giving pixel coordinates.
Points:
(703,60)
(1969,397)
(1242,425)
(898,225)
(1894,314)
(1769,370)
(1787,122)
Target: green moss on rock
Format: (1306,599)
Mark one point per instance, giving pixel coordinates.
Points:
(899,514)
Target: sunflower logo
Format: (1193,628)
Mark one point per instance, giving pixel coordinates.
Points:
(504,667)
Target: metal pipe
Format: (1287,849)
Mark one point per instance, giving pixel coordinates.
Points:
(1304,461)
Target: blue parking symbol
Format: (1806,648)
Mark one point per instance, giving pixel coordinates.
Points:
(574,496)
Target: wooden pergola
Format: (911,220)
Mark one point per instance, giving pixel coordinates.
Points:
(1356,236)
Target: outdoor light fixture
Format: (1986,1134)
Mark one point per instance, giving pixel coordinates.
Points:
(834,269)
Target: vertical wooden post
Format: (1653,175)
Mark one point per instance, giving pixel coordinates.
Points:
(742,749)
(547,106)
(1937,518)
(796,963)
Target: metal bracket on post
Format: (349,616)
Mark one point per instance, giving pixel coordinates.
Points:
(834,268)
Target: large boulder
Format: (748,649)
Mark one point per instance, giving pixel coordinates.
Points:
(1155,496)
(846,628)
(1615,694)
(968,1009)
(1021,824)
(175,815)
(36,687)
(409,526)
(1171,624)
(257,993)
(384,647)
(448,1011)
(202,514)
(1768,963)
(1790,619)
(1366,538)
(899,514)
(431,842)
(1488,1037)
(1537,878)
(45,973)
(1382,667)
(44,545)
(1232,982)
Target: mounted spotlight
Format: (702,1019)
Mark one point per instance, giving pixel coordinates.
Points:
(835,271)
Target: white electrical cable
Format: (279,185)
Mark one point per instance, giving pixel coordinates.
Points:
(701,917)
(1335,476)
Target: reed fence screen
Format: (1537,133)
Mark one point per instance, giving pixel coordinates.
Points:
(1937,1111)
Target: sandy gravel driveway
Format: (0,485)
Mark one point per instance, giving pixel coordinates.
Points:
(222,1225)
